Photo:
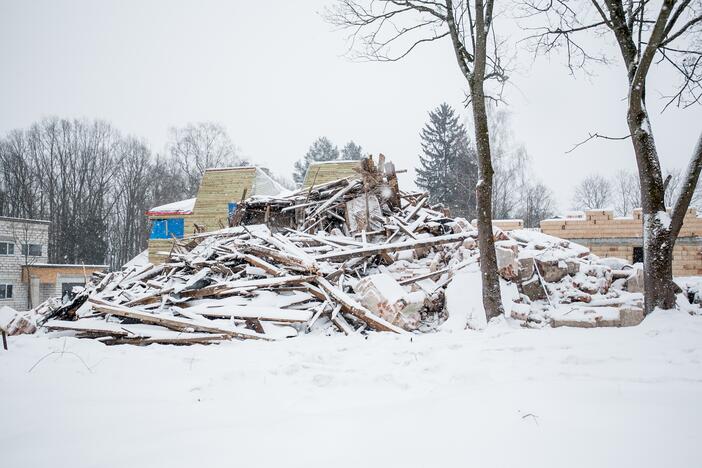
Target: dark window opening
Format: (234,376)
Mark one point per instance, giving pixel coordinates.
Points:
(5,291)
(7,248)
(34,250)
(638,255)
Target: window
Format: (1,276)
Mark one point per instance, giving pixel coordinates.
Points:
(7,248)
(637,255)
(5,291)
(167,228)
(34,250)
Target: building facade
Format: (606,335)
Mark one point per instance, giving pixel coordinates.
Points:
(26,276)
(622,237)
(219,194)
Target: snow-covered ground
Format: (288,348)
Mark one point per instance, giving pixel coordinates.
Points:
(501,397)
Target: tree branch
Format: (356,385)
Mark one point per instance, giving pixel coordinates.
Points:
(593,136)
(687,190)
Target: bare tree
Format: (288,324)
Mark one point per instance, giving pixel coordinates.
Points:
(537,203)
(199,146)
(129,227)
(664,33)
(388,30)
(626,193)
(592,193)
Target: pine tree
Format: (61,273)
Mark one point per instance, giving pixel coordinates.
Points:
(321,150)
(351,151)
(448,167)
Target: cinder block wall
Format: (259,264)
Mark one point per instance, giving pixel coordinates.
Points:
(608,236)
(18,231)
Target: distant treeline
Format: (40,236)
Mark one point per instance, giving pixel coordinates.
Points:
(94,183)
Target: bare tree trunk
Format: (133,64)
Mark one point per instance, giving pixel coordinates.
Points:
(492,299)
(658,242)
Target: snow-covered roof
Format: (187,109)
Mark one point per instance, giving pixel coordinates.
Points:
(179,207)
(24,220)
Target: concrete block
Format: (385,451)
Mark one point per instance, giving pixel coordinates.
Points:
(630,316)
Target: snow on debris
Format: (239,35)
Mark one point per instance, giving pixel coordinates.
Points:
(312,262)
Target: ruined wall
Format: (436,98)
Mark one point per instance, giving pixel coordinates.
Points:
(164,245)
(609,236)
(328,171)
(218,188)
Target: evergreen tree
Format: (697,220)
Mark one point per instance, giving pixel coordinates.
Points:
(448,167)
(321,150)
(351,151)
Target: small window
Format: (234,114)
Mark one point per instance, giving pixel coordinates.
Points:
(5,291)
(167,228)
(7,248)
(34,250)
(638,255)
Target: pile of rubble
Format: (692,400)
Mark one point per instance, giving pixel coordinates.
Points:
(352,255)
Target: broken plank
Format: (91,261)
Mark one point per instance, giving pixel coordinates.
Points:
(174,323)
(342,324)
(232,286)
(252,312)
(87,325)
(350,305)
(394,247)
(264,265)
(184,339)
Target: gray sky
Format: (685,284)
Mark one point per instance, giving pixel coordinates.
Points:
(275,75)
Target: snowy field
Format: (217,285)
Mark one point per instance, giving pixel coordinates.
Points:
(501,397)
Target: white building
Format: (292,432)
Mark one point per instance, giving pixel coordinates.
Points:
(26,276)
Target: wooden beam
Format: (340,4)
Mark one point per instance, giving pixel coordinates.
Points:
(394,247)
(174,323)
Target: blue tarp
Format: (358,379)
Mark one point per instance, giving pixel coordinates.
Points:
(167,228)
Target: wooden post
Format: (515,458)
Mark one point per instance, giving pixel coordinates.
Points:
(4,340)
(391,175)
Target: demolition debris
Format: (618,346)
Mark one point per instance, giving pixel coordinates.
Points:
(353,256)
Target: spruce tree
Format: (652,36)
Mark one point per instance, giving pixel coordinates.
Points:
(351,151)
(321,150)
(448,167)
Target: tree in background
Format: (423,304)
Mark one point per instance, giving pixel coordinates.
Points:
(94,184)
(626,193)
(198,146)
(130,198)
(321,150)
(448,168)
(389,30)
(351,151)
(536,204)
(661,34)
(592,193)
(516,192)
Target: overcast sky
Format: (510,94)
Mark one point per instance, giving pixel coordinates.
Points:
(274,73)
